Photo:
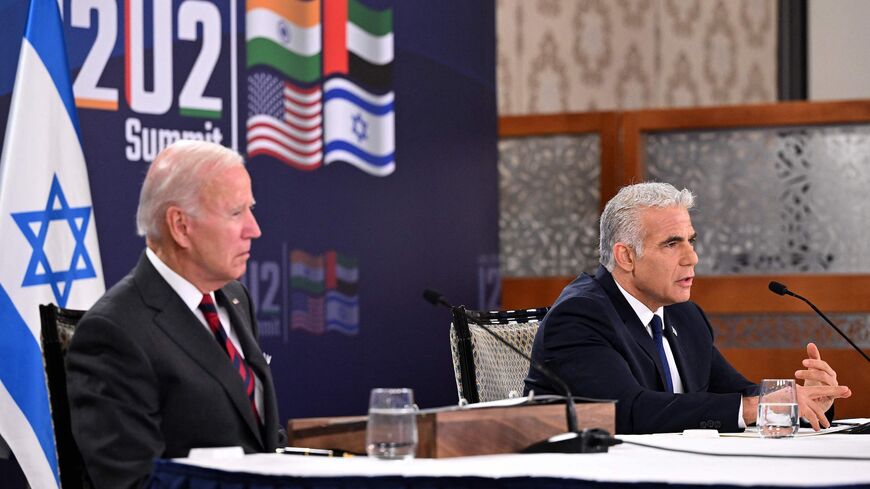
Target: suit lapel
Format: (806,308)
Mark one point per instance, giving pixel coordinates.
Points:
(184,328)
(244,331)
(673,335)
(636,329)
(250,349)
(237,305)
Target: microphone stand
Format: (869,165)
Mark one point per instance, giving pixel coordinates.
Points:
(780,289)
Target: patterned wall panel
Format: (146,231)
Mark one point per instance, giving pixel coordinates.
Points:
(549,193)
(584,55)
(788,330)
(773,200)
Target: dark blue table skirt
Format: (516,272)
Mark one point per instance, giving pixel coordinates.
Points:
(171,475)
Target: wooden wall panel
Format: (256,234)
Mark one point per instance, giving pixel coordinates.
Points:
(634,125)
(531,292)
(722,294)
(605,124)
(750,294)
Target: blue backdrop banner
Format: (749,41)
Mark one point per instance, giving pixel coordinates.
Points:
(369,127)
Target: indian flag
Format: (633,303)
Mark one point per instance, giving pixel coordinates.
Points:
(306,272)
(285,35)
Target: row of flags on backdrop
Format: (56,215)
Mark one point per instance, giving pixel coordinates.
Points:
(49,251)
(323,293)
(320,84)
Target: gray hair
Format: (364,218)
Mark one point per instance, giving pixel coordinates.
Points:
(620,221)
(176,177)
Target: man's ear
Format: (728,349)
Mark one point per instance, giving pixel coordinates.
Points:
(624,257)
(178,225)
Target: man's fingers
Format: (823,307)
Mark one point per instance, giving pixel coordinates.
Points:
(813,351)
(812,409)
(815,414)
(823,420)
(820,387)
(822,391)
(810,415)
(819,365)
(816,376)
(820,415)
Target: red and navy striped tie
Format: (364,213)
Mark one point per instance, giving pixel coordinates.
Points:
(214,323)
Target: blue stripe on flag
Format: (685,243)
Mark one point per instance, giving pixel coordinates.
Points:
(22,373)
(45,33)
(367,106)
(341,327)
(342,299)
(355,150)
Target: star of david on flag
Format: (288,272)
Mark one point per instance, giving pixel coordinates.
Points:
(360,127)
(39,269)
(49,251)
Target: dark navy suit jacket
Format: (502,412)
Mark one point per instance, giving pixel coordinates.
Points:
(147,380)
(595,342)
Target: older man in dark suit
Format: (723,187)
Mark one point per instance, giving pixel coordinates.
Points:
(168,359)
(629,333)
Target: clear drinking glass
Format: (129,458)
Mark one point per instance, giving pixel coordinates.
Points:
(778,409)
(391,432)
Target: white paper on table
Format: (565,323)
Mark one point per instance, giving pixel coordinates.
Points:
(752,432)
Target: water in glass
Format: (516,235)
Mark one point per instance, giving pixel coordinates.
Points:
(777,420)
(778,415)
(392,433)
(392,425)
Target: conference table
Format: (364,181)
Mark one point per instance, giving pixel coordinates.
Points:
(830,460)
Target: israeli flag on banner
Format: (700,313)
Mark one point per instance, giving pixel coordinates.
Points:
(48,240)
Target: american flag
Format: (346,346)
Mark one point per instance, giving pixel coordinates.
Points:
(285,121)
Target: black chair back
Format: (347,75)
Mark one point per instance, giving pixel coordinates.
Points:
(58,326)
(485,369)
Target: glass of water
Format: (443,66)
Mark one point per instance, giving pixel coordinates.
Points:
(778,409)
(391,432)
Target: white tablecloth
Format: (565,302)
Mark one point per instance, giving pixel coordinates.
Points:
(624,463)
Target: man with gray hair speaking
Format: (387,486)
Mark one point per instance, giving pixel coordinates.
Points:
(631,334)
(167,360)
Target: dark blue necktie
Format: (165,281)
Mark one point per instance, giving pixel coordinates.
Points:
(656,326)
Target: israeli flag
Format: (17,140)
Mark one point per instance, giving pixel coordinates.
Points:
(48,250)
(359,127)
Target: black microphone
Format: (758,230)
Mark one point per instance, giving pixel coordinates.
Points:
(574,441)
(781,289)
(435,298)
